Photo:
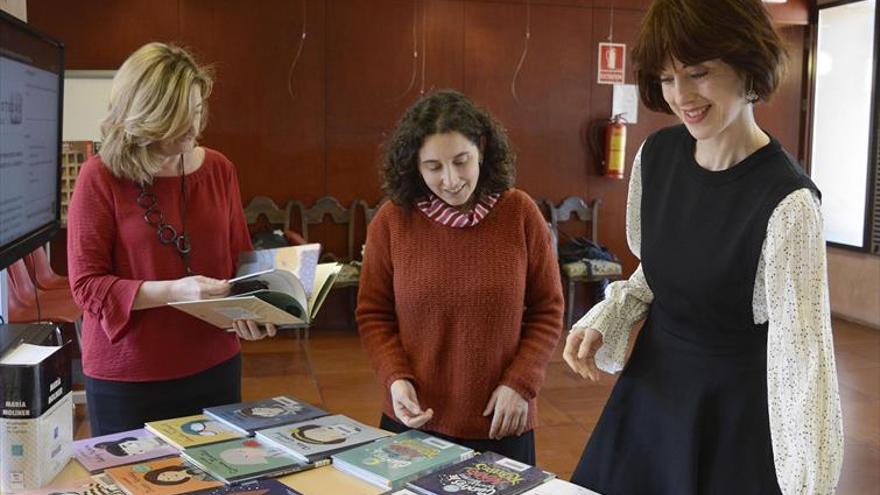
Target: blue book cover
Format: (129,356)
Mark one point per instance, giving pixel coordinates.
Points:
(486,474)
(247,417)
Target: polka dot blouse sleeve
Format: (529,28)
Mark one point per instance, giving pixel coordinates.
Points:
(626,301)
(804,406)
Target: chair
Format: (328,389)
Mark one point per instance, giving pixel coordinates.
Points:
(43,274)
(581,271)
(264,219)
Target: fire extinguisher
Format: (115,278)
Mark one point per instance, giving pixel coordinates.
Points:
(612,156)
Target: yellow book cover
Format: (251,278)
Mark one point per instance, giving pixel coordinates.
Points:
(190,431)
(169,476)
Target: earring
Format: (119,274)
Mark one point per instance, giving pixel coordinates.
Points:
(751,96)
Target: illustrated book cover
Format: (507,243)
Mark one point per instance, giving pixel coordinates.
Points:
(393,461)
(117,449)
(191,431)
(266,486)
(487,474)
(95,485)
(246,417)
(320,438)
(169,476)
(245,459)
(284,286)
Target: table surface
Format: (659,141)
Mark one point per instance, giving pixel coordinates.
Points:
(325,480)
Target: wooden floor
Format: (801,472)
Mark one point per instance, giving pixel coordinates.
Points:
(331,370)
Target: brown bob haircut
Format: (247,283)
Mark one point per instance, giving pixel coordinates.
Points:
(739,32)
(438,113)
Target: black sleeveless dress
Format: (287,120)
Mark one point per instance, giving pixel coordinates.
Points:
(689,412)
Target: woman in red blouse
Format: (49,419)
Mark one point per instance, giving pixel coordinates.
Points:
(155,218)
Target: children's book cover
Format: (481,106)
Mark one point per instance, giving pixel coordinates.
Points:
(191,431)
(170,476)
(96,485)
(391,462)
(254,487)
(320,438)
(244,459)
(99,453)
(486,474)
(247,417)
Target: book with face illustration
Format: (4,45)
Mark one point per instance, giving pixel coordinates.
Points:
(246,417)
(245,459)
(190,431)
(320,438)
(391,462)
(266,486)
(96,485)
(169,476)
(486,474)
(117,449)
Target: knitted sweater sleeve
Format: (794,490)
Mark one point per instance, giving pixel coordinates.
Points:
(542,319)
(376,316)
(626,301)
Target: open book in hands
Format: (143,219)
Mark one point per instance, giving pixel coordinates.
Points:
(284,286)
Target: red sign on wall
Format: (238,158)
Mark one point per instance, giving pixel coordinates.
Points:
(612,63)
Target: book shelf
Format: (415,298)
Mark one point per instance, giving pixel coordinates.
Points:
(73,155)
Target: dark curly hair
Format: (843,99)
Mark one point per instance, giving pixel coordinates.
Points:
(739,32)
(437,113)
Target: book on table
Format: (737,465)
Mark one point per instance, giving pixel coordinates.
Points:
(99,484)
(266,486)
(487,474)
(245,459)
(191,431)
(246,417)
(284,286)
(169,476)
(320,438)
(36,420)
(393,461)
(117,449)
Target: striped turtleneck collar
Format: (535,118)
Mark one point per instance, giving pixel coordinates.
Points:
(444,214)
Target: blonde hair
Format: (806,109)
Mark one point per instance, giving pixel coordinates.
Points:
(150,101)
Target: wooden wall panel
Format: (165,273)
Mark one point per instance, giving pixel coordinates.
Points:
(545,120)
(782,116)
(267,120)
(100,34)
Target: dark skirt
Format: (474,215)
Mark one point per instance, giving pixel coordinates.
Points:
(121,406)
(684,418)
(520,448)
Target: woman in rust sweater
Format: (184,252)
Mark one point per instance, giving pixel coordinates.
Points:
(460,304)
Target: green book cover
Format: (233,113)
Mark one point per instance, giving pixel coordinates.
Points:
(243,459)
(391,462)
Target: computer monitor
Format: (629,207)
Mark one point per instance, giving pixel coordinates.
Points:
(31,92)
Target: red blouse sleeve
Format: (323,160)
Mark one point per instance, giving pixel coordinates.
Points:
(91,230)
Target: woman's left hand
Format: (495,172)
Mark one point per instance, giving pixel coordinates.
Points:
(250,330)
(511,413)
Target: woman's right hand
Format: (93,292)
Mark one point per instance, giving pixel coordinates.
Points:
(406,404)
(198,287)
(580,352)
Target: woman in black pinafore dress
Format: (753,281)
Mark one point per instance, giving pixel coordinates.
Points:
(731,385)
